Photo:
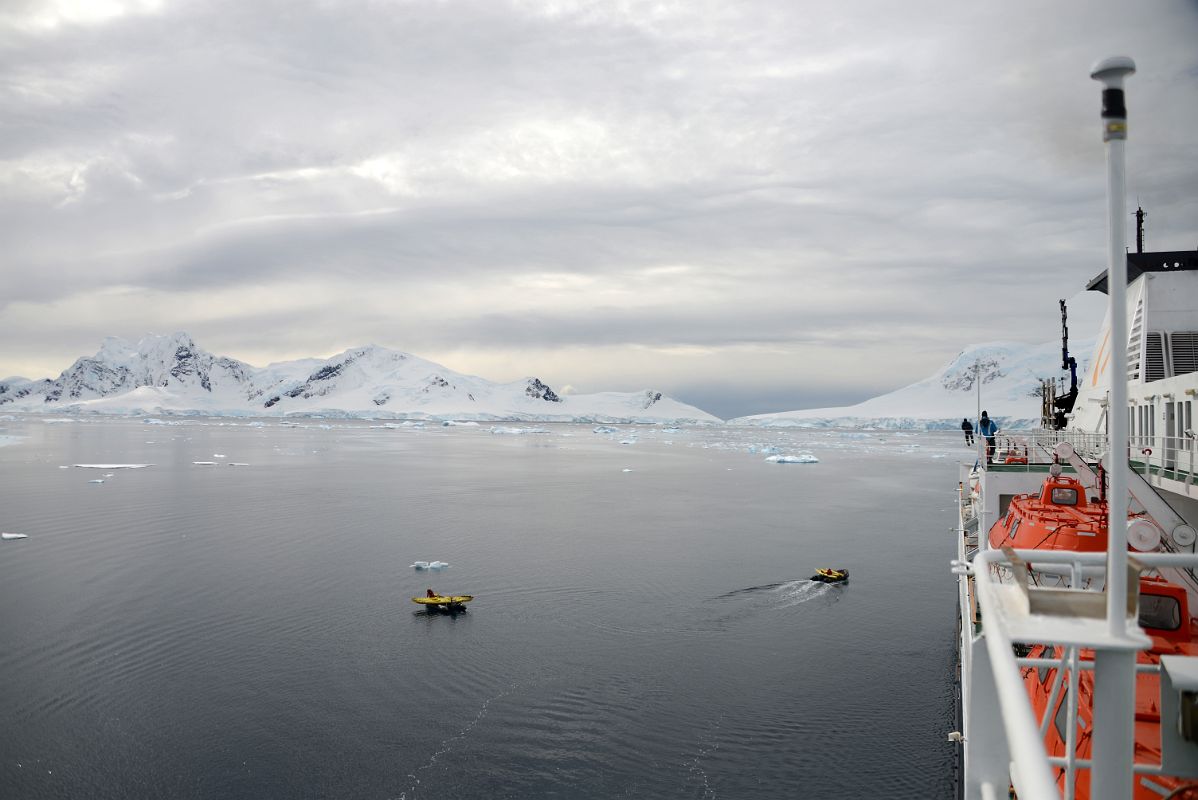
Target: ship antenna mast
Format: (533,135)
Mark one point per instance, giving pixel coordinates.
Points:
(1115,668)
(1141,214)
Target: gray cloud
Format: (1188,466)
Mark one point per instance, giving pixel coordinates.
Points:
(607,180)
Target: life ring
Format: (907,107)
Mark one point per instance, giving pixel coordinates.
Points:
(1147,451)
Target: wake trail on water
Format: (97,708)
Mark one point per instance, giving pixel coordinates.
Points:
(787,593)
(446,745)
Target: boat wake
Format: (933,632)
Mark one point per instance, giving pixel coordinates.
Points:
(787,594)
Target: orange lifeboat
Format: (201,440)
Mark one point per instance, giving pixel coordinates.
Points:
(1060,517)
(1165,616)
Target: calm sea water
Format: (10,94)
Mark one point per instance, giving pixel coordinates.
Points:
(643,624)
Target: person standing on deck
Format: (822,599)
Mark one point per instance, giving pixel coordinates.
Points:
(987,428)
(967,426)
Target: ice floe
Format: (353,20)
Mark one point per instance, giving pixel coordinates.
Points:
(802,458)
(238,464)
(112,466)
(605,429)
(96,480)
(204,463)
(499,429)
(422,565)
(453,423)
(13,536)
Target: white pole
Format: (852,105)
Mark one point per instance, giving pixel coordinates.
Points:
(1114,676)
(1111,72)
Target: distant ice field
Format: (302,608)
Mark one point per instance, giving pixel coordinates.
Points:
(643,622)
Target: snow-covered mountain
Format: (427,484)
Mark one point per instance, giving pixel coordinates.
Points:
(1009,373)
(170,374)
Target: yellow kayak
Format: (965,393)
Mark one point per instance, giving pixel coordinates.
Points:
(457,600)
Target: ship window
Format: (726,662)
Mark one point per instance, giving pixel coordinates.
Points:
(1015,527)
(1160,612)
(1064,497)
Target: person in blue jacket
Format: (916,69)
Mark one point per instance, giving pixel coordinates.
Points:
(987,428)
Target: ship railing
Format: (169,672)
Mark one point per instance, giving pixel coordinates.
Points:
(1038,447)
(1019,736)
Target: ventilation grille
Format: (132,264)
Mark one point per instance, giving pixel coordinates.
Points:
(1154,357)
(1183,346)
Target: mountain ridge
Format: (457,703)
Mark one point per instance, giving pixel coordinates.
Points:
(172,375)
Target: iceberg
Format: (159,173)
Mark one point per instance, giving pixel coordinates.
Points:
(13,536)
(422,565)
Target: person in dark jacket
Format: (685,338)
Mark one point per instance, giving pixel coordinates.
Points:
(987,428)
(967,426)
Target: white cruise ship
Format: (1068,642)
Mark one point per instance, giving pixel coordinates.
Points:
(1076,569)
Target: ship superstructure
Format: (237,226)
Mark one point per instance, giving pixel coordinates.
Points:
(1075,679)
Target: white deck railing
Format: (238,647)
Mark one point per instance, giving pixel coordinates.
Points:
(1031,767)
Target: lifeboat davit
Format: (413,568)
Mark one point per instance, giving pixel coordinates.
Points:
(1165,616)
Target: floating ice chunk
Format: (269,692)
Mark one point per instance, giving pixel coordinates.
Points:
(13,536)
(802,458)
(438,565)
(112,466)
(605,429)
(453,423)
(109,474)
(626,469)
(65,466)
(204,463)
(420,565)
(219,455)
(57,421)
(238,464)
(96,480)
(499,429)
(765,448)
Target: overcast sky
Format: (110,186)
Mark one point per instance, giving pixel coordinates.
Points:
(750,205)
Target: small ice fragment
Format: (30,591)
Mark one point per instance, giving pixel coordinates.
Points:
(219,455)
(802,458)
(112,466)
(204,463)
(13,536)
(626,469)
(605,429)
(437,565)
(96,480)
(420,565)
(109,474)
(238,464)
(65,466)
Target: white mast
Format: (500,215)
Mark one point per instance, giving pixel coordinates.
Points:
(1114,690)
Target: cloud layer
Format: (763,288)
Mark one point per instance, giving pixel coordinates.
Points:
(758,202)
